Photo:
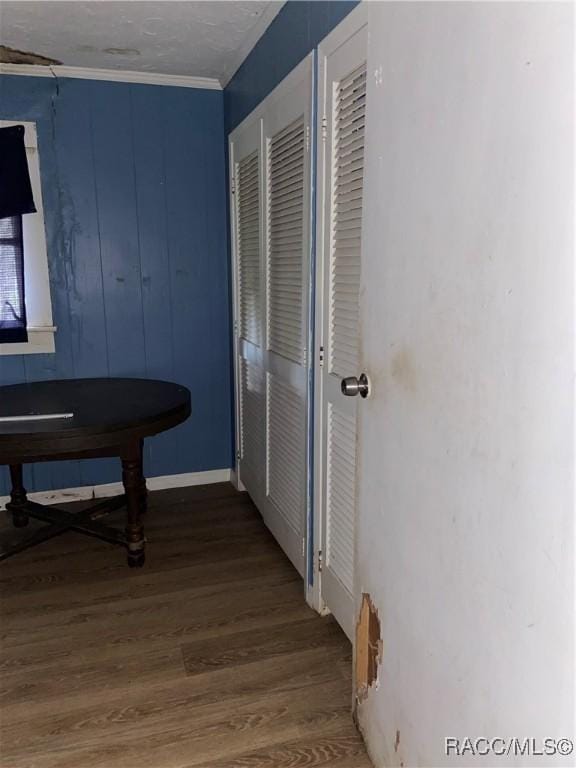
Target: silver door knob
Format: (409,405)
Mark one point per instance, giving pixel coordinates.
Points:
(351,386)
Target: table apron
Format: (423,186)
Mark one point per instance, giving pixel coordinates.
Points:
(126,449)
(23,449)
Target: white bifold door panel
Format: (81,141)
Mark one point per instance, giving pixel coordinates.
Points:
(270,161)
(246,171)
(342,105)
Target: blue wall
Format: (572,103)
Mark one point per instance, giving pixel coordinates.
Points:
(134,190)
(296,30)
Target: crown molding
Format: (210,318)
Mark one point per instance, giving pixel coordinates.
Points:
(111,75)
(34,70)
(266,18)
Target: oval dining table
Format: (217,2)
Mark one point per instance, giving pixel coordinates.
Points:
(85,419)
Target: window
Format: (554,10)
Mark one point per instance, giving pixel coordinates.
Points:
(27,232)
(12,306)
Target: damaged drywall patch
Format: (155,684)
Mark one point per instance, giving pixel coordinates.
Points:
(13,56)
(368,647)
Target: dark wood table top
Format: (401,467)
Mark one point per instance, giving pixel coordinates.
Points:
(106,413)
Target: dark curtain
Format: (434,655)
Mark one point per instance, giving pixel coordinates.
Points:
(15,200)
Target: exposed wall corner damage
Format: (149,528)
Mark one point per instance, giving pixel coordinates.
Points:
(14,56)
(368,648)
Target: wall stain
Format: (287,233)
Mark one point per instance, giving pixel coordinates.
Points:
(403,370)
(122,51)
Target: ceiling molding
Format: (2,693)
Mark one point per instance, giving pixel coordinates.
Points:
(112,75)
(266,18)
(34,70)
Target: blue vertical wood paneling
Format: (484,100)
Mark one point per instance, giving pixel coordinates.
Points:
(114,174)
(149,131)
(79,256)
(134,188)
(78,265)
(187,170)
(214,194)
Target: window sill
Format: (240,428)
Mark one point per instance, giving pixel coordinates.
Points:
(40,342)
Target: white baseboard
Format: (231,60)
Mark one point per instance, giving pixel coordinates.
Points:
(115,489)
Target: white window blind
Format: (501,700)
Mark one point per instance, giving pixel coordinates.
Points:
(285,242)
(12,308)
(348,159)
(249,288)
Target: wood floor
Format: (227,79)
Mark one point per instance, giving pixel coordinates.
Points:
(208,657)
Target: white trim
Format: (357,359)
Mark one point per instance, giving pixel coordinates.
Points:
(33,70)
(113,75)
(235,480)
(40,342)
(42,328)
(249,42)
(160,483)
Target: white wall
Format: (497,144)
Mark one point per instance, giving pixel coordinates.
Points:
(466,498)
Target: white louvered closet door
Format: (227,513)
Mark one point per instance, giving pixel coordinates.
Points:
(287,244)
(271,182)
(249,301)
(343,96)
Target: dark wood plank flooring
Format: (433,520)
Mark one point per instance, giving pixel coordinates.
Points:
(207,657)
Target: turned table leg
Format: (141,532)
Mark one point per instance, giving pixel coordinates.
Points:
(134,483)
(143,494)
(18,498)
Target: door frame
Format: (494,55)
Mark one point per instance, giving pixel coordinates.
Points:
(348,27)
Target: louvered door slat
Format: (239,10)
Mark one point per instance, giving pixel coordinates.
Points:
(283,198)
(348,127)
(286,438)
(286,242)
(252,425)
(248,218)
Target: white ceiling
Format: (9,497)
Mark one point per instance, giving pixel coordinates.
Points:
(199,39)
